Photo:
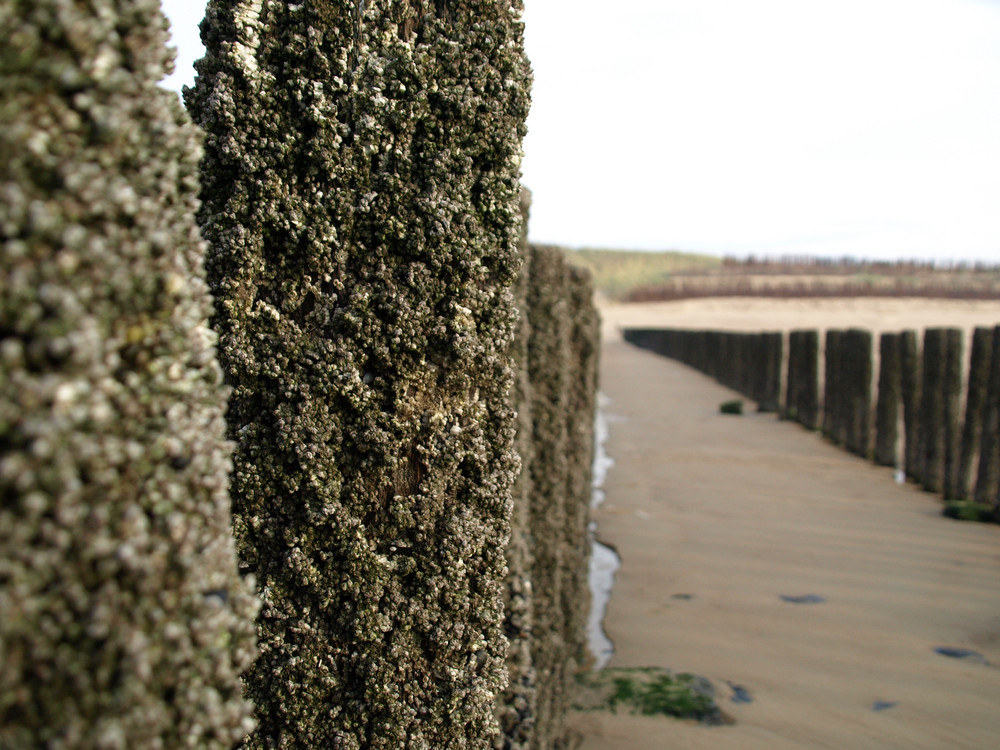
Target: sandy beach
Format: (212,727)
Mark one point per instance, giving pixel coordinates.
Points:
(783,569)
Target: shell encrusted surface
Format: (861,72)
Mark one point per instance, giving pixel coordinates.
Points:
(361,185)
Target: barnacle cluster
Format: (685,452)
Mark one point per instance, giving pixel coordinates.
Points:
(123,620)
(361,199)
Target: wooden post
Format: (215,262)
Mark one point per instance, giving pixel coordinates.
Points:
(832,401)
(932,409)
(975,408)
(910,382)
(889,397)
(988,475)
(856,382)
(952,413)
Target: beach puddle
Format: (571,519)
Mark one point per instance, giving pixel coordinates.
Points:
(740,694)
(604,561)
(602,461)
(803,599)
(961,653)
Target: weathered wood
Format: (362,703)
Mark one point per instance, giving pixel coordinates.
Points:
(889,400)
(802,396)
(932,409)
(833,416)
(910,382)
(772,353)
(953,382)
(975,408)
(855,376)
(988,475)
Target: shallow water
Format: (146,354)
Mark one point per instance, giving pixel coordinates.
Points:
(602,461)
(604,561)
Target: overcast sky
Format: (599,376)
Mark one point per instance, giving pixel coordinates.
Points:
(868,128)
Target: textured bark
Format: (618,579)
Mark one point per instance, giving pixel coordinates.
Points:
(361,199)
(123,620)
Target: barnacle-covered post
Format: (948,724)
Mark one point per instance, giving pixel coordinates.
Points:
(361,200)
(516,704)
(124,622)
(584,350)
(549,358)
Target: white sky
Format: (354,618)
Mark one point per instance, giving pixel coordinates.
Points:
(851,127)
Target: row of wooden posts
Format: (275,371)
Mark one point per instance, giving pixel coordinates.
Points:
(925,413)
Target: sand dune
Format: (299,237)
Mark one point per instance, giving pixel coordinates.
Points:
(716,518)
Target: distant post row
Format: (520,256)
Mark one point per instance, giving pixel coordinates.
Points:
(926,412)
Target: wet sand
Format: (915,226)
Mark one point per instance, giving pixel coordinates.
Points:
(717,518)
